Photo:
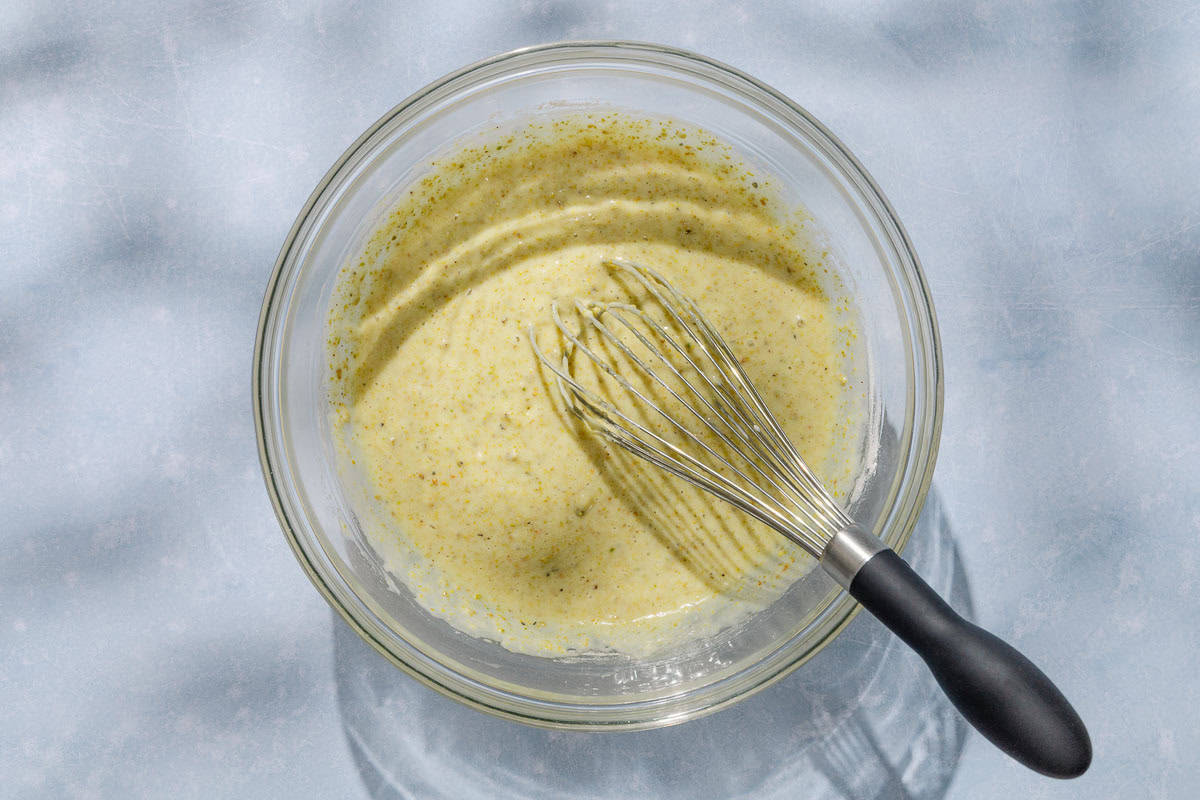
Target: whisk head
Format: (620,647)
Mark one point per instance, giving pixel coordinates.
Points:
(656,378)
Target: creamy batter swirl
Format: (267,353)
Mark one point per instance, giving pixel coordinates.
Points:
(500,513)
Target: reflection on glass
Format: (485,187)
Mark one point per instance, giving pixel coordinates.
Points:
(862,719)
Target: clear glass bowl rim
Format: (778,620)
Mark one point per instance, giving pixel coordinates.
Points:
(917,472)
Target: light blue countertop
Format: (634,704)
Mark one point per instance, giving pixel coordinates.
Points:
(157,637)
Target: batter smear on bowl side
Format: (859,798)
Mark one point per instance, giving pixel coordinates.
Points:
(481,495)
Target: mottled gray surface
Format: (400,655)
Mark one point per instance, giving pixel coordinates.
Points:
(157,637)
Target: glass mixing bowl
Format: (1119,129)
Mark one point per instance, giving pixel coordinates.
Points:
(900,360)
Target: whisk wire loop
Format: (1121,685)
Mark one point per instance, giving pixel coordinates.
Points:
(747,403)
(726,421)
(602,416)
(711,422)
(759,471)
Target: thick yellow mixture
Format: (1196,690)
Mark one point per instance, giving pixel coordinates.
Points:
(496,508)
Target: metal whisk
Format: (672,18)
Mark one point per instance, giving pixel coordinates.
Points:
(687,406)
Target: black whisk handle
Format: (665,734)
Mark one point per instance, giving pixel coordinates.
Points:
(999,691)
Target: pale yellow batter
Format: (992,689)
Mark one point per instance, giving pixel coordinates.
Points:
(498,510)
